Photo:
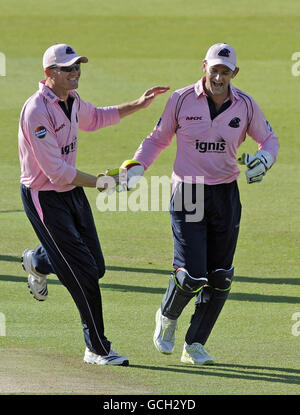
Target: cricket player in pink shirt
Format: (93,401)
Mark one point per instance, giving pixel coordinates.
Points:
(53,196)
(210,119)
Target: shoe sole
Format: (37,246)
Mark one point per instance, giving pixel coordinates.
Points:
(205,363)
(124,363)
(37,299)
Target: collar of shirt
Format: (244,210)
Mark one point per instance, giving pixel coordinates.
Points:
(48,93)
(199,89)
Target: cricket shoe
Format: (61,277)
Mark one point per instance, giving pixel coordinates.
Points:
(164,334)
(113,358)
(195,354)
(37,283)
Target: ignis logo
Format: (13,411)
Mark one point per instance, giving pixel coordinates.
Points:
(211,147)
(296,65)
(69,148)
(2,64)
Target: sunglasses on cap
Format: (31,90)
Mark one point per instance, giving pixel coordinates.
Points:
(75,66)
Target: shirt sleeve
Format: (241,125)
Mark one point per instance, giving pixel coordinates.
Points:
(39,132)
(92,118)
(261,131)
(160,137)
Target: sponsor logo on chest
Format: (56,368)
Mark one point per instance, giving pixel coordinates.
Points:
(60,127)
(211,146)
(69,148)
(193,118)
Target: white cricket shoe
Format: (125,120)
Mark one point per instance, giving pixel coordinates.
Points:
(37,283)
(164,334)
(195,354)
(112,358)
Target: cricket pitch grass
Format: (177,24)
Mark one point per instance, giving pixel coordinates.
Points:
(132,46)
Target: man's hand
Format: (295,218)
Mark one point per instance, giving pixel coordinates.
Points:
(113,179)
(143,102)
(146,99)
(257,165)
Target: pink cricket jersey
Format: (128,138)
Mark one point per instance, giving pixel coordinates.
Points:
(207,147)
(48,140)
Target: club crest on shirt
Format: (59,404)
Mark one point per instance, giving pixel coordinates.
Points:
(235,122)
(40,132)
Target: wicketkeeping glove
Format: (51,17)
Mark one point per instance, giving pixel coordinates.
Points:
(113,179)
(134,171)
(257,165)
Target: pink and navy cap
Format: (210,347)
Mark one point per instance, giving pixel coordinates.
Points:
(221,54)
(61,55)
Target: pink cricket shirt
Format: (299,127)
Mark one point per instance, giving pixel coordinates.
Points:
(48,140)
(207,147)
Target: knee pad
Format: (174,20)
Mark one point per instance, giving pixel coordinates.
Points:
(182,287)
(219,282)
(221,279)
(187,283)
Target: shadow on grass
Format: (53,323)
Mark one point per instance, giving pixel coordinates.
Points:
(245,372)
(237,278)
(12,211)
(10,258)
(261,298)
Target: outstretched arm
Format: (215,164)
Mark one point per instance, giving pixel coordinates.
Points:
(143,102)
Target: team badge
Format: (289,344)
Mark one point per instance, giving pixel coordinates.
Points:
(69,50)
(40,132)
(235,122)
(224,52)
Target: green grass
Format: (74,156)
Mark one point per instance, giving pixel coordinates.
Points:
(131,46)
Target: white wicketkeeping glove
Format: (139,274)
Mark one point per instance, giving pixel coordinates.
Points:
(257,165)
(133,174)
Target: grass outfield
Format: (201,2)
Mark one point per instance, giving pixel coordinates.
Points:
(133,45)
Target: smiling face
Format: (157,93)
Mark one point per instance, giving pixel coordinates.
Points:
(217,79)
(67,80)
(62,80)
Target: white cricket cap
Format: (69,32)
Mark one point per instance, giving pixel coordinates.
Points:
(221,54)
(61,55)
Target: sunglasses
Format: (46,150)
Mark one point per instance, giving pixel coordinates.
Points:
(75,66)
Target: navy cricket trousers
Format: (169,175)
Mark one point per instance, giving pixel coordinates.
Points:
(70,248)
(208,244)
